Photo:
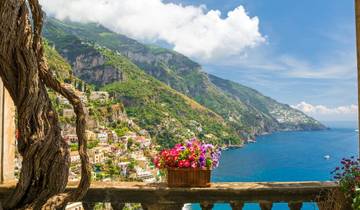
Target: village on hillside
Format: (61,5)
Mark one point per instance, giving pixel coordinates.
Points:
(118,149)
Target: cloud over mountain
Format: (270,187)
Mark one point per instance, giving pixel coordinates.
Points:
(191,30)
(322,112)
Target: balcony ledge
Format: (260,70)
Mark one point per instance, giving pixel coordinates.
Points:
(247,192)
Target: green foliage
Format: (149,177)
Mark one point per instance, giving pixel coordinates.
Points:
(130,142)
(356,201)
(56,63)
(348,177)
(154,49)
(93,144)
(121,131)
(73,147)
(132,164)
(133,206)
(100,176)
(111,170)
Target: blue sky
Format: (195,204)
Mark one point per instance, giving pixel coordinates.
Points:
(315,32)
(311,31)
(298,52)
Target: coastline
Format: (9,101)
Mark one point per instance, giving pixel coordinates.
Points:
(252,140)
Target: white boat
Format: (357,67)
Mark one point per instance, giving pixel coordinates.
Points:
(187,206)
(235,146)
(357,130)
(251,141)
(224,148)
(327,157)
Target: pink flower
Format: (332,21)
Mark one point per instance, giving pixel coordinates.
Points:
(192,157)
(193,153)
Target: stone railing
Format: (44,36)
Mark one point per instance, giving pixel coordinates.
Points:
(160,197)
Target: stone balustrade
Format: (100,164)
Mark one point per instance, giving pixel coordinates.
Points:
(160,197)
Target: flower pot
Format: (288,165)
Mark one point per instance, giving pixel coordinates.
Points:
(188,177)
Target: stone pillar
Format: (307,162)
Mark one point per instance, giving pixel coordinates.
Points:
(162,206)
(7,136)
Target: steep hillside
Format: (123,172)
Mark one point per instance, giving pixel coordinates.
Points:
(186,76)
(168,115)
(57,64)
(288,118)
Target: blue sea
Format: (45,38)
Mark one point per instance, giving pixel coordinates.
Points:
(288,156)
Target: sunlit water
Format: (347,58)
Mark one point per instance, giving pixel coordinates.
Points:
(288,156)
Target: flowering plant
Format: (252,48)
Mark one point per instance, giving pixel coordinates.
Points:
(348,176)
(192,154)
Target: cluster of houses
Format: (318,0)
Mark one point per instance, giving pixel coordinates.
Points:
(110,146)
(144,170)
(126,152)
(123,151)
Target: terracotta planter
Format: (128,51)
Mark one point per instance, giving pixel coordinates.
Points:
(188,177)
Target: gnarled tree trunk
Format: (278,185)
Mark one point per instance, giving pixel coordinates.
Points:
(25,74)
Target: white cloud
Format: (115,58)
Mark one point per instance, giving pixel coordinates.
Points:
(322,112)
(339,65)
(192,30)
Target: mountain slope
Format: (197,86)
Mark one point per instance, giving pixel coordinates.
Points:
(186,76)
(57,64)
(168,115)
(288,118)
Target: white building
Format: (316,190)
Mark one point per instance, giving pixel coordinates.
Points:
(143,141)
(96,155)
(99,95)
(103,137)
(62,100)
(74,156)
(143,174)
(90,135)
(74,206)
(124,168)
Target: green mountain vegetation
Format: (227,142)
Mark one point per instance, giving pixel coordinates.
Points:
(287,117)
(175,116)
(168,115)
(166,92)
(57,64)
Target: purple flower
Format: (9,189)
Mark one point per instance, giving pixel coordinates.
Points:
(195,153)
